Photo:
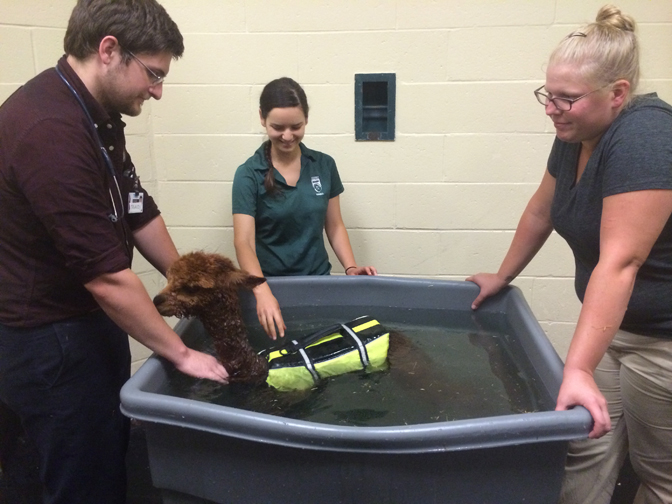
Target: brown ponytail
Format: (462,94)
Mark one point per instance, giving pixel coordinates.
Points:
(269,179)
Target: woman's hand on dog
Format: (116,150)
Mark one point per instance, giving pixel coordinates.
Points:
(201,365)
(268,311)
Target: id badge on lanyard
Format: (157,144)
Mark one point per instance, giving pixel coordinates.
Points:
(135,202)
(135,198)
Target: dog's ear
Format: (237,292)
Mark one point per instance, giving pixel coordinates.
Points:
(239,279)
(252,281)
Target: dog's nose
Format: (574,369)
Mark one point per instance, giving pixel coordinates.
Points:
(159,299)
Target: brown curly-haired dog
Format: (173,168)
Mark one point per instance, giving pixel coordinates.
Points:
(205,285)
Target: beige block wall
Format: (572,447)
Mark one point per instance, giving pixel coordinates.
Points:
(471,144)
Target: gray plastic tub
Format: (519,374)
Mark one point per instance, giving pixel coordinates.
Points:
(229,455)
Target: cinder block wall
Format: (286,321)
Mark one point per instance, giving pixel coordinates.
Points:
(443,199)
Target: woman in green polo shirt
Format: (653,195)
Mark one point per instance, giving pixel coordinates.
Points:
(284,196)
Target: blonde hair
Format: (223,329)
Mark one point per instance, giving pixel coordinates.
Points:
(606,50)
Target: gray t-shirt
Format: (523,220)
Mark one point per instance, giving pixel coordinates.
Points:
(634,154)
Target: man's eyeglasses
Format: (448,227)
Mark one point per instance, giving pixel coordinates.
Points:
(154,79)
(562,104)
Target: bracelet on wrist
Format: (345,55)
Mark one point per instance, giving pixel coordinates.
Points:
(349,268)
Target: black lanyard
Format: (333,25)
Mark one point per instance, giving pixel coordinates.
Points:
(114,217)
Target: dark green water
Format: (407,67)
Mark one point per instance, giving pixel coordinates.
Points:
(455,366)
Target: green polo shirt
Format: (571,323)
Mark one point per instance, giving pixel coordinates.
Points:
(288,224)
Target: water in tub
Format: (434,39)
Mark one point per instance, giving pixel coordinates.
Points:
(451,366)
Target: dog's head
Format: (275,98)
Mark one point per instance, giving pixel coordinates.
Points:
(197,279)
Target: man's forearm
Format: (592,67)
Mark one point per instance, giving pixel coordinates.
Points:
(155,244)
(123,297)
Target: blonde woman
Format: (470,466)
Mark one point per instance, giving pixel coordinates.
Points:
(608,191)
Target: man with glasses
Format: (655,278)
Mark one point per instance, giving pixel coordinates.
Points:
(154,79)
(73,211)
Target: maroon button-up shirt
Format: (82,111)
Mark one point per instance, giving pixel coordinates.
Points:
(55,200)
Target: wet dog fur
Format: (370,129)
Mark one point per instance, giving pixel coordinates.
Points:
(206,285)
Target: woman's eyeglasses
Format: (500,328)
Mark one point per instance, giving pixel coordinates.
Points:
(562,104)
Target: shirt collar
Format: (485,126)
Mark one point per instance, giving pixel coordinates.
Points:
(305,151)
(98,113)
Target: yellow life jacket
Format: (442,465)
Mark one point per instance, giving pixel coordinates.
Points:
(300,363)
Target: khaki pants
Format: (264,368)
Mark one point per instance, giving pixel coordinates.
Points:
(635,377)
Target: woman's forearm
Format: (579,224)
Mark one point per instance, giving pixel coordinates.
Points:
(604,306)
(531,234)
(340,243)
